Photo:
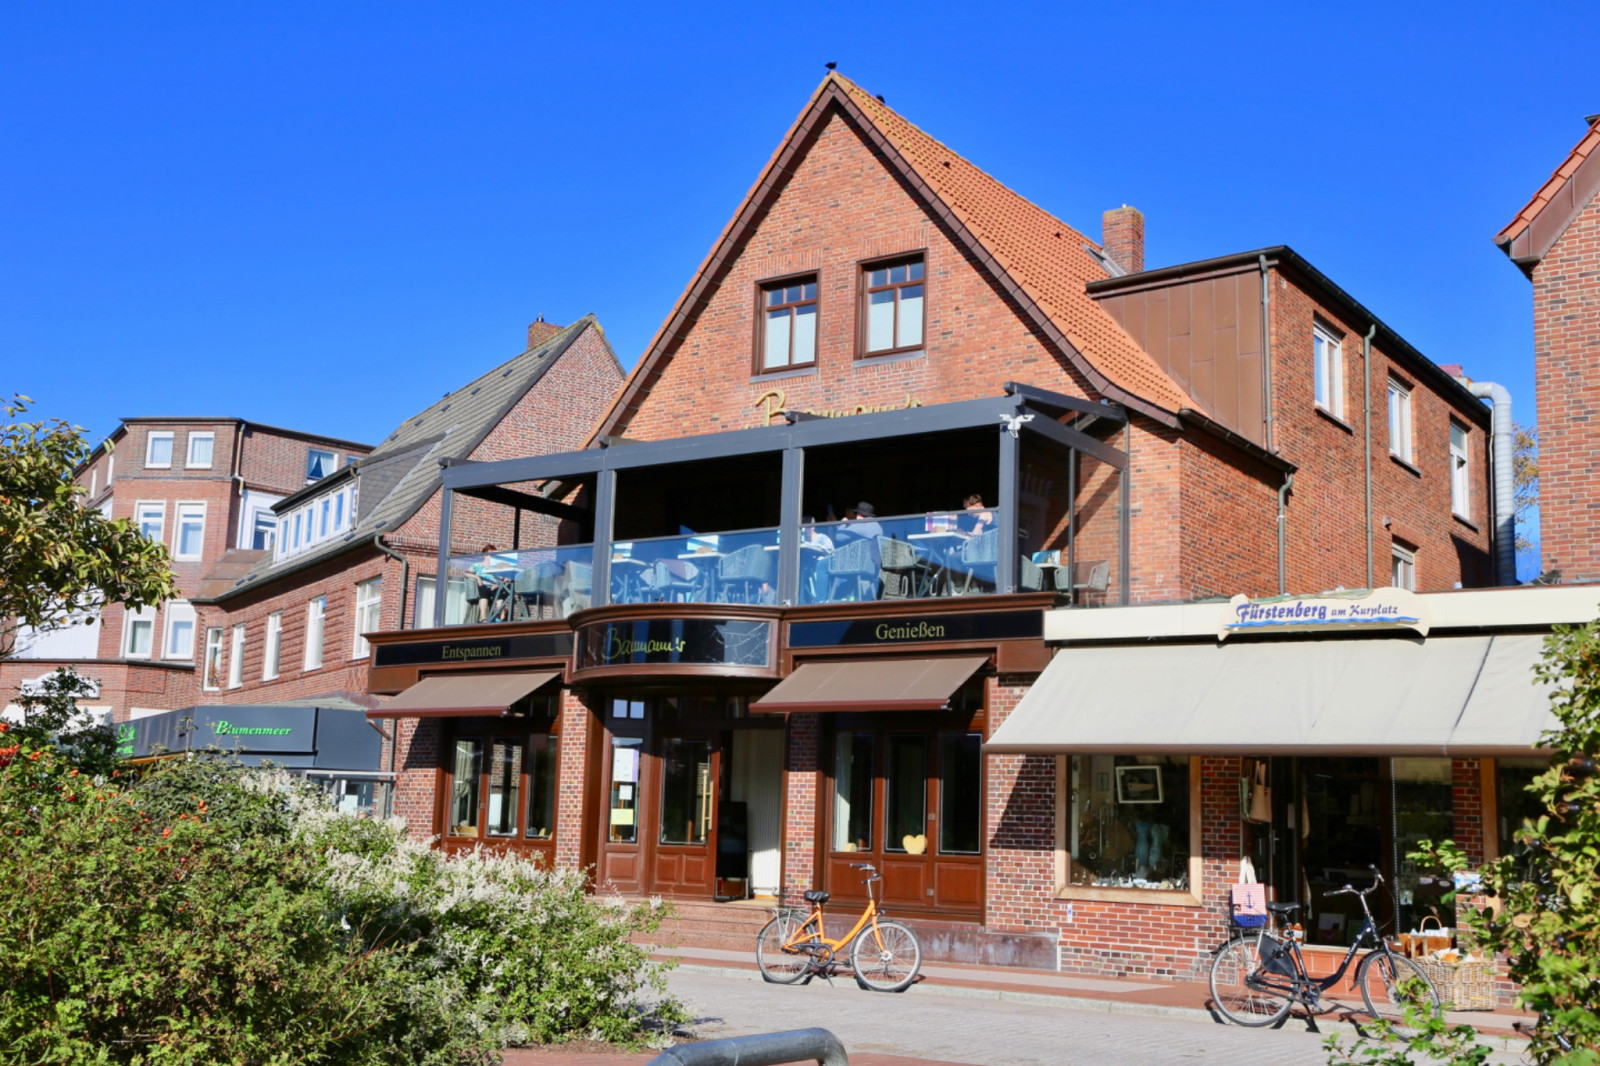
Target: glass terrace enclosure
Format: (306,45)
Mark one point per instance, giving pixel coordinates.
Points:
(1025,492)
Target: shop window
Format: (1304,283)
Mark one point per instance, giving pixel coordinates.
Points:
(1514,804)
(541,788)
(852,792)
(789,324)
(464,770)
(505,782)
(905,795)
(1128,822)
(893,310)
(1423,799)
(960,793)
(686,794)
(624,817)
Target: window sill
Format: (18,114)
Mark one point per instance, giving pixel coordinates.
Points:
(1404,465)
(1469,523)
(1335,419)
(779,375)
(900,355)
(1152,896)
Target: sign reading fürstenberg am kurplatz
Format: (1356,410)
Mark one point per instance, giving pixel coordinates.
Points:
(295,737)
(1327,612)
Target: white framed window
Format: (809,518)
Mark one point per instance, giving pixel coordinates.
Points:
(422,609)
(138,633)
(319,464)
(1403,568)
(369,604)
(1399,420)
(188,540)
(316,521)
(1460,471)
(316,619)
(893,311)
(211,676)
(789,324)
(111,469)
(236,658)
(200,448)
(94,482)
(180,631)
(269,657)
(151,518)
(158,450)
(264,531)
(1327,360)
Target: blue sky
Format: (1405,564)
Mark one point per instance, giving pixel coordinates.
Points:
(324,216)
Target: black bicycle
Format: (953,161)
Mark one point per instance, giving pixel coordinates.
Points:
(1258,976)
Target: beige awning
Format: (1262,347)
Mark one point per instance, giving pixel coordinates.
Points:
(872,685)
(1464,696)
(463,696)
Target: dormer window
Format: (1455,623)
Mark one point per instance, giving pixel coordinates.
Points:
(329,515)
(319,464)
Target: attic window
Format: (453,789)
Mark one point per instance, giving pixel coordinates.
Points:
(445,408)
(475,389)
(507,373)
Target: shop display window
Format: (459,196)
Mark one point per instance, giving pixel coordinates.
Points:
(905,795)
(505,780)
(1423,810)
(464,787)
(686,793)
(541,788)
(960,793)
(1514,804)
(852,792)
(624,816)
(1129,822)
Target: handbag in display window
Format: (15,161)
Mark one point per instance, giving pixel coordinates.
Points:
(1260,807)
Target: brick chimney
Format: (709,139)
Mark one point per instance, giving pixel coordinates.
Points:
(1122,234)
(540,331)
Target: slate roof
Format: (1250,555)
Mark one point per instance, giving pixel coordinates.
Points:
(403,472)
(1040,260)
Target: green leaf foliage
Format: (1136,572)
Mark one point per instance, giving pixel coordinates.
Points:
(57,556)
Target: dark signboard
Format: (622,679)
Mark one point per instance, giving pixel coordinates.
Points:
(292,736)
(475,650)
(675,642)
(918,629)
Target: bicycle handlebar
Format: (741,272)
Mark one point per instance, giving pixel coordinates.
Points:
(1350,890)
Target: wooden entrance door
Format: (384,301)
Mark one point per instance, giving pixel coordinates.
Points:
(688,770)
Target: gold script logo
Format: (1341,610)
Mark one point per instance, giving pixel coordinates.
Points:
(913,631)
(452,653)
(620,647)
(773,403)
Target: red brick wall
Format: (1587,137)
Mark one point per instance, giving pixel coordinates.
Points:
(123,685)
(416,773)
(1566,341)
(802,785)
(1229,539)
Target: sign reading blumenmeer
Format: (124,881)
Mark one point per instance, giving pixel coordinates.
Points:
(1328,612)
(279,730)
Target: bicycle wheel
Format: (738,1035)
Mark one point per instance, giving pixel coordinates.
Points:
(1391,983)
(1235,999)
(886,957)
(777,965)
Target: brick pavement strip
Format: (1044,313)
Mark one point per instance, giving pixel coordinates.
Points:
(946,1026)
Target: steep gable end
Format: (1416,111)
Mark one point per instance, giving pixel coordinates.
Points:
(1544,218)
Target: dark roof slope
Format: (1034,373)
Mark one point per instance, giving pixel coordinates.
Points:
(404,469)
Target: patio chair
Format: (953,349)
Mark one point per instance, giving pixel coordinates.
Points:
(905,572)
(535,586)
(979,557)
(1087,576)
(1030,578)
(675,579)
(580,588)
(745,573)
(854,565)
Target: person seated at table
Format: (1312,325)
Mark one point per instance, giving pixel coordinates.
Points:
(860,522)
(486,584)
(976,519)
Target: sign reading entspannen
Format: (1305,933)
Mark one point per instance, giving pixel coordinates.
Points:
(1338,611)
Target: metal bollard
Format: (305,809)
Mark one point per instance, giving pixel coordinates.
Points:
(764,1049)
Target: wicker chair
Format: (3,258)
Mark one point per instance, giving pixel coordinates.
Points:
(1087,576)
(855,565)
(537,586)
(980,554)
(904,571)
(676,579)
(745,572)
(1030,578)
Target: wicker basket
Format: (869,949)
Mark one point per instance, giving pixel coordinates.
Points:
(1425,941)
(1461,985)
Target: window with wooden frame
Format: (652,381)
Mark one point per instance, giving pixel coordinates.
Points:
(503,781)
(788,331)
(893,302)
(1128,828)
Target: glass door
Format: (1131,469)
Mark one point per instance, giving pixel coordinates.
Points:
(685,858)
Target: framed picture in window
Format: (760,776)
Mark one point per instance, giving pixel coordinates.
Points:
(1138,784)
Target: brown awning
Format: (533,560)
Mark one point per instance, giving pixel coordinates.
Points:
(463,696)
(872,685)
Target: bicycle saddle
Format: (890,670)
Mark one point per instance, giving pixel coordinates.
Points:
(1283,908)
(816,895)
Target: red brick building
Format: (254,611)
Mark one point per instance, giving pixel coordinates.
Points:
(798,572)
(203,487)
(1555,240)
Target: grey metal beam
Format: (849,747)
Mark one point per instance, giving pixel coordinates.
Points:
(1005,567)
(966,414)
(726,445)
(441,580)
(605,499)
(527,468)
(789,526)
(1046,426)
(525,501)
(1044,399)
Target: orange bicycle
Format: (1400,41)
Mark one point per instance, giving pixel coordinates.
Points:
(884,955)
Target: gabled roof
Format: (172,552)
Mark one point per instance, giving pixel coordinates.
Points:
(403,472)
(1543,220)
(1040,260)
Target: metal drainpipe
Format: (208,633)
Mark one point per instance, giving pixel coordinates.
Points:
(1266,348)
(1505,504)
(1283,504)
(1366,422)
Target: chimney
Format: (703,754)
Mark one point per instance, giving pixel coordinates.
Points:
(1122,235)
(540,331)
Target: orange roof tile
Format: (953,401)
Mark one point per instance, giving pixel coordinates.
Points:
(1547,192)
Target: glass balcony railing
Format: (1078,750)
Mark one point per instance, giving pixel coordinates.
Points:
(899,558)
(738,567)
(524,585)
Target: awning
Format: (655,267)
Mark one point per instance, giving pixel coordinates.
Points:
(1462,696)
(463,696)
(872,685)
